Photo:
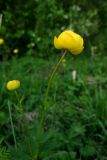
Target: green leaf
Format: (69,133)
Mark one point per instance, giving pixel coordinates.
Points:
(87,151)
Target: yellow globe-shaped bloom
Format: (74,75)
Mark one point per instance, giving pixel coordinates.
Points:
(13,85)
(69,40)
(1,41)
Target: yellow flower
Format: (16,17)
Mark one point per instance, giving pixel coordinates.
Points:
(1,41)
(15,51)
(69,40)
(13,85)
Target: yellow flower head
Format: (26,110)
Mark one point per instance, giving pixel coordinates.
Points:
(13,85)
(69,40)
(15,51)
(1,41)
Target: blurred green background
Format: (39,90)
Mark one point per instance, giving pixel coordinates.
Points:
(33,24)
(76,125)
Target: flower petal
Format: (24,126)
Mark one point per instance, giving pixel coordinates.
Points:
(76,51)
(69,40)
(57,43)
(13,85)
(66,40)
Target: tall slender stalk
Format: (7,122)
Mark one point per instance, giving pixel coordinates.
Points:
(48,88)
(24,121)
(44,109)
(19,102)
(1,20)
(51,78)
(12,126)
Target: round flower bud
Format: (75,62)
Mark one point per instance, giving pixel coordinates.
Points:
(13,85)
(1,41)
(69,40)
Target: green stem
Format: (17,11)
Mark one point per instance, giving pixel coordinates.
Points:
(11,121)
(51,78)
(1,20)
(42,116)
(18,100)
(24,121)
(48,88)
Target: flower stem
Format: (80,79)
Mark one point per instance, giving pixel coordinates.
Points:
(48,88)
(51,78)
(25,126)
(11,121)
(1,20)
(43,111)
(18,100)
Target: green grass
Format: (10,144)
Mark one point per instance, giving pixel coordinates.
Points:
(76,125)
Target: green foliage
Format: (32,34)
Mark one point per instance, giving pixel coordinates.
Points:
(35,23)
(76,125)
(88,151)
(4,153)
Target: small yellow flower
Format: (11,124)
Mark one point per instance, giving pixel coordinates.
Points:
(15,51)
(69,40)
(13,85)
(1,41)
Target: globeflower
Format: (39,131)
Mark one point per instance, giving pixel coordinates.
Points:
(13,85)
(69,40)
(1,41)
